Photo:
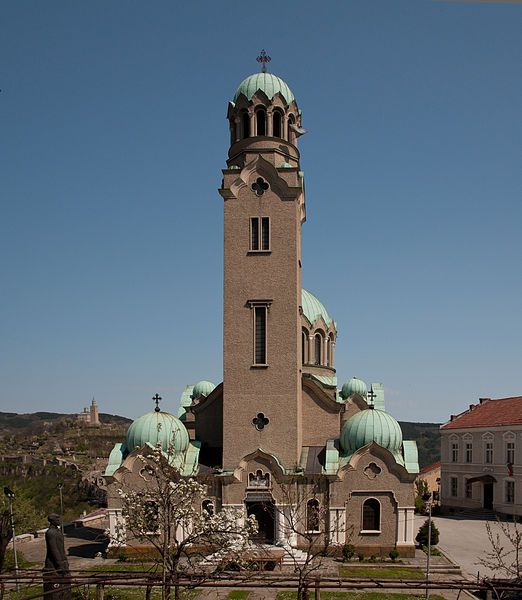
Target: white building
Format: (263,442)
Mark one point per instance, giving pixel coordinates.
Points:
(481,454)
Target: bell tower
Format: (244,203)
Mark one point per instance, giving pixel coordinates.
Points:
(264,208)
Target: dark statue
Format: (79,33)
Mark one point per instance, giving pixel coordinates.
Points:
(56,568)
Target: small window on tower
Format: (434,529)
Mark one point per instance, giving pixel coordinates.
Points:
(245,122)
(261,122)
(260,335)
(277,122)
(259,234)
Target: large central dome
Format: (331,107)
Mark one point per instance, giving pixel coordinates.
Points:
(265,82)
(313,308)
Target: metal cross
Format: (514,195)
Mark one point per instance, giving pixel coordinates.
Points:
(372,395)
(157,399)
(260,186)
(260,422)
(263,58)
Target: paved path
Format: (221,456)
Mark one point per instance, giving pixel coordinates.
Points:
(464,542)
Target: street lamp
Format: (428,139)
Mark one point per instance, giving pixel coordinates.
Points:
(60,488)
(428,499)
(10,496)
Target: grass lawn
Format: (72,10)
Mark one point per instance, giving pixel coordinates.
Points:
(358,596)
(127,568)
(238,595)
(381,572)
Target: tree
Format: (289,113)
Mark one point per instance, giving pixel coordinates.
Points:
(304,515)
(505,554)
(421,490)
(422,536)
(168,513)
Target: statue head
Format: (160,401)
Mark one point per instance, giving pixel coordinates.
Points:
(54,519)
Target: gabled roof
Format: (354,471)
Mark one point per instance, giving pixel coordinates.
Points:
(429,468)
(489,413)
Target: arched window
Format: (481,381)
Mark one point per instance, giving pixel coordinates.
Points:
(245,123)
(330,357)
(318,346)
(261,121)
(277,124)
(312,515)
(207,506)
(304,346)
(371,515)
(291,132)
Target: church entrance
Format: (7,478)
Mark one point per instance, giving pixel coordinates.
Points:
(264,512)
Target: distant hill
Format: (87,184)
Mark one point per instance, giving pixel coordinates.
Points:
(427,436)
(31,421)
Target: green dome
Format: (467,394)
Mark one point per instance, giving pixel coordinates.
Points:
(265,82)
(158,428)
(313,308)
(371,425)
(354,386)
(202,388)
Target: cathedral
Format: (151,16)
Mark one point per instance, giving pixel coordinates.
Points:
(279,417)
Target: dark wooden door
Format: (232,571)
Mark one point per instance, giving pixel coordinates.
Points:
(488,496)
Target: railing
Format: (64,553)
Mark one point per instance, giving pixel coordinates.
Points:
(98,581)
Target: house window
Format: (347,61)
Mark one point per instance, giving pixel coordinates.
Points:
(469,490)
(510,452)
(488,458)
(454,487)
(318,346)
(510,492)
(259,233)
(371,515)
(312,516)
(469,452)
(454,452)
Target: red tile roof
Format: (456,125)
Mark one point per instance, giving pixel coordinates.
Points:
(489,413)
(433,467)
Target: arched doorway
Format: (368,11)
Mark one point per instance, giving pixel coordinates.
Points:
(263,509)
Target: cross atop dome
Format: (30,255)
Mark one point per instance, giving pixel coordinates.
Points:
(157,399)
(263,58)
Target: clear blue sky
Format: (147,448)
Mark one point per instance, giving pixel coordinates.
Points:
(113,135)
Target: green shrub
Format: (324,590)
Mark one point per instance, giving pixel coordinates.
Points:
(360,557)
(434,551)
(122,556)
(373,558)
(394,554)
(422,536)
(348,552)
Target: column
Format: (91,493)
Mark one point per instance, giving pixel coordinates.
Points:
(337,525)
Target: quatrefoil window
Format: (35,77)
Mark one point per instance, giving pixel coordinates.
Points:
(260,186)
(260,421)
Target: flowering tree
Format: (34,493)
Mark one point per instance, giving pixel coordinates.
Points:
(505,553)
(167,512)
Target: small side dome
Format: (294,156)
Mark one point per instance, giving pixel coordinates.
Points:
(354,386)
(158,428)
(202,388)
(265,82)
(371,425)
(313,308)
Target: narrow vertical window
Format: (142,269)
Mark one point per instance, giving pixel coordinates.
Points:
(469,452)
(454,487)
(455,452)
(312,516)
(277,124)
(261,122)
(510,492)
(260,335)
(265,233)
(245,121)
(254,233)
(489,453)
(510,453)
(318,343)
(303,347)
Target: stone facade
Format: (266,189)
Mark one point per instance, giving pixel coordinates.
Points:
(268,437)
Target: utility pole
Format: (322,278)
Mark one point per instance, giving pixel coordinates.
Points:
(10,496)
(60,487)
(428,498)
